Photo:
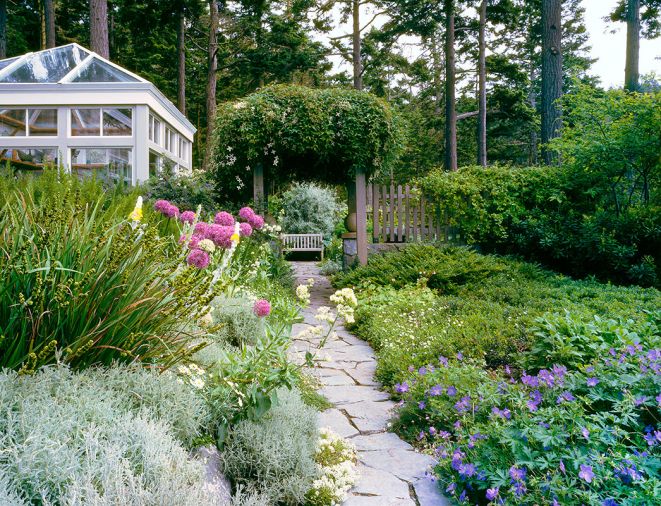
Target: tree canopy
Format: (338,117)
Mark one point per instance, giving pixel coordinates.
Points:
(302,133)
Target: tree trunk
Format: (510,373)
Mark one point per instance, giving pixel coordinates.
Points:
(357,61)
(482,91)
(532,99)
(551,74)
(49,20)
(3,29)
(42,26)
(99,27)
(450,78)
(181,62)
(438,85)
(633,45)
(212,77)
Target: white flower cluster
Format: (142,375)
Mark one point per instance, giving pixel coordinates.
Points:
(273,230)
(191,374)
(337,470)
(345,301)
(303,291)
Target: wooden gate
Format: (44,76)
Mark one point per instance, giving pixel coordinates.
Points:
(402,214)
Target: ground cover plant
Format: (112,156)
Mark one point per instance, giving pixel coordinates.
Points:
(530,387)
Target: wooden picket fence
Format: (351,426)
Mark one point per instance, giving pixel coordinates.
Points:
(402,214)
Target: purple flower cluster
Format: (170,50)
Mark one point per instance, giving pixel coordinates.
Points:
(187,217)
(224,218)
(166,208)
(464,404)
(254,219)
(198,258)
(262,308)
(501,413)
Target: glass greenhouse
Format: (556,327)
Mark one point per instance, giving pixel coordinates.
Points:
(70,106)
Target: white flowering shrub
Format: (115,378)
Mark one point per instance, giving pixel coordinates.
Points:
(102,437)
(308,208)
(336,466)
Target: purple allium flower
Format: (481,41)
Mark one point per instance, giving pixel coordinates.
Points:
(187,217)
(452,391)
(517,474)
(245,229)
(256,222)
(262,308)
(528,380)
(245,213)
(422,371)
(171,211)
(161,205)
(220,235)
(435,391)
(562,467)
(422,405)
(402,388)
(443,361)
(198,258)
(586,473)
(565,396)
(585,432)
(194,241)
(201,228)
(224,218)
(593,382)
(492,493)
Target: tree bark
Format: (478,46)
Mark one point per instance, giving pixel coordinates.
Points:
(357,58)
(3,29)
(99,27)
(181,62)
(532,99)
(633,45)
(551,74)
(450,82)
(49,19)
(482,91)
(212,76)
(438,70)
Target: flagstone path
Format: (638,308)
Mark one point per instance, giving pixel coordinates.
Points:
(392,473)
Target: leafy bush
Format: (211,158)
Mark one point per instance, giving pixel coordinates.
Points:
(481,305)
(236,321)
(586,436)
(187,192)
(276,453)
(90,438)
(310,209)
(299,133)
(599,214)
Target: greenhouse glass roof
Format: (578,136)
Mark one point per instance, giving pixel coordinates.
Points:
(65,64)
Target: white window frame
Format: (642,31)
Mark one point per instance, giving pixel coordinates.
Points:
(101,110)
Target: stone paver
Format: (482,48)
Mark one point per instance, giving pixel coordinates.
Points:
(391,472)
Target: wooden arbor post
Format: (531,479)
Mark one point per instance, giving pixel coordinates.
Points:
(258,189)
(361,216)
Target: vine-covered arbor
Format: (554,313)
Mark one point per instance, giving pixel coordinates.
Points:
(285,133)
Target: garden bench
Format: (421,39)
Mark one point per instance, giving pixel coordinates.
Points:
(303,242)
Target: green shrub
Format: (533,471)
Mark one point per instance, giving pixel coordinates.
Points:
(275,455)
(483,306)
(187,192)
(89,438)
(576,437)
(308,208)
(236,320)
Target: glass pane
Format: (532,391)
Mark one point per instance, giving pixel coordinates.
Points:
(12,122)
(29,158)
(113,164)
(85,122)
(98,71)
(47,66)
(117,122)
(8,61)
(42,122)
(154,163)
(157,131)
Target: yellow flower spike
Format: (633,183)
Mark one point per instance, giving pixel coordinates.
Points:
(234,238)
(136,214)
